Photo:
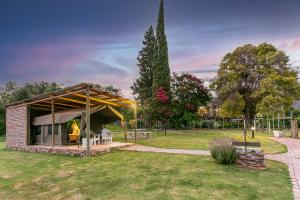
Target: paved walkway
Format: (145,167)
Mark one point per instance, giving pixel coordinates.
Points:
(292,159)
(163,150)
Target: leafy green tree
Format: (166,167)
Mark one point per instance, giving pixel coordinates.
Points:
(234,108)
(113,90)
(5,97)
(244,72)
(11,93)
(161,71)
(189,93)
(110,88)
(278,92)
(142,87)
(30,90)
(160,103)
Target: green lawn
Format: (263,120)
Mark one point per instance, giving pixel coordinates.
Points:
(135,175)
(200,139)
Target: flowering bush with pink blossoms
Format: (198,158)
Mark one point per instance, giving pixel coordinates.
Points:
(162,95)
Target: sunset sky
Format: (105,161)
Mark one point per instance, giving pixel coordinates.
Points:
(71,41)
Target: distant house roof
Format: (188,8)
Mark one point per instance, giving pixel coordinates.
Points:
(75,97)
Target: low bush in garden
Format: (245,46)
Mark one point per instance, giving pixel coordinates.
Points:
(222,151)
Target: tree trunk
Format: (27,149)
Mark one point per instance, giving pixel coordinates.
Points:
(245,134)
(294,129)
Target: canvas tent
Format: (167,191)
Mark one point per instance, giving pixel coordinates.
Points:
(99,115)
(83,96)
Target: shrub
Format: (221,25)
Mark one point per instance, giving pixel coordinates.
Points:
(216,125)
(222,151)
(206,123)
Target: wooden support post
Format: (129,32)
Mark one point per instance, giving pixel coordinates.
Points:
(262,123)
(245,134)
(291,118)
(278,122)
(273,124)
(283,121)
(268,124)
(88,122)
(28,133)
(135,122)
(53,120)
(124,127)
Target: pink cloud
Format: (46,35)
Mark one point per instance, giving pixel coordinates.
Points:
(290,45)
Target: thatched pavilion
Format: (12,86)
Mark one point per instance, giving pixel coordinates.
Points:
(39,123)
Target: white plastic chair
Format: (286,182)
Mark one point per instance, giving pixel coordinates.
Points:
(96,139)
(106,136)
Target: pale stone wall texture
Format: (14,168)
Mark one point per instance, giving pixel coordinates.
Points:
(16,127)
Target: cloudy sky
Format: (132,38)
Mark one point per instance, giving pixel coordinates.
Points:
(71,41)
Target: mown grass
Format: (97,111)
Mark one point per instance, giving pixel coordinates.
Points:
(135,175)
(200,139)
(2,138)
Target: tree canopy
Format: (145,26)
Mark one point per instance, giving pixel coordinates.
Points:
(161,71)
(251,77)
(142,87)
(188,94)
(12,93)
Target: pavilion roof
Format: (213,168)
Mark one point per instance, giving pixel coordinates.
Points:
(75,97)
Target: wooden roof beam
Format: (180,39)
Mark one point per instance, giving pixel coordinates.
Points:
(107,94)
(98,100)
(73,100)
(63,104)
(47,106)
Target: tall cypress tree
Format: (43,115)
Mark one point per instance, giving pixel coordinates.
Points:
(161,71)
(142,87)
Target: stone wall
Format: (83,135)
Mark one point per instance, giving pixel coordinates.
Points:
(67,151)
(254,158)
(16,126)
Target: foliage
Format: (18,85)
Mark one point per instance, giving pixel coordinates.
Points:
(6,93)
(206,123)
(216,125)
(191,119)
(222,151)
(188,94)
(278,92)
(161,95)
(189,91)
(232,108)
(110,88)
(244,72)
(142,87)
(114,90)
(11,93)
(30,90)
(161,70)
